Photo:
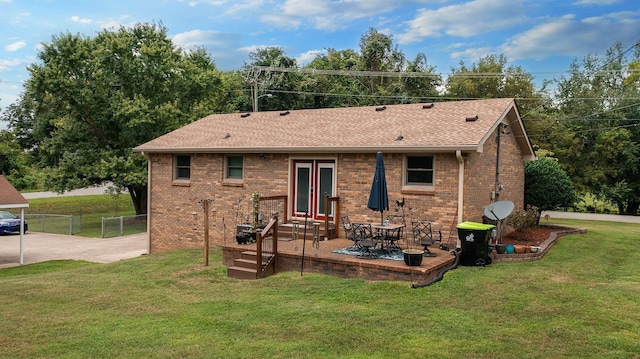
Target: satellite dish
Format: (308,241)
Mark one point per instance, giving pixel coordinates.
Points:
(498,211)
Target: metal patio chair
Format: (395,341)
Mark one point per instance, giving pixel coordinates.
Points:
(348,231)
(364,239)
(393,237)
(423,235)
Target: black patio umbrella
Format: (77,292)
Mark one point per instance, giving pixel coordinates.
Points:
(378,198)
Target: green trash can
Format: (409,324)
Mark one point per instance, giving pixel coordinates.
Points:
(474,243)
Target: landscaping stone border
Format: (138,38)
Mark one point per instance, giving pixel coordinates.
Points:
(544,248)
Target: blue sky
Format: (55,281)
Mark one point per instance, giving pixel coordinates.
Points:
(542,36)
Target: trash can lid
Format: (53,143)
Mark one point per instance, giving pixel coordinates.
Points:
(475,226)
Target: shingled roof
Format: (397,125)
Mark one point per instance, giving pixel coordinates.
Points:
(9,196)
(437,127)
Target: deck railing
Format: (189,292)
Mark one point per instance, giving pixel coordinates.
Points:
(331,202)
(274,204)
(270,205)
(267,247)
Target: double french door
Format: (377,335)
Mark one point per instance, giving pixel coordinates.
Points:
(312,181)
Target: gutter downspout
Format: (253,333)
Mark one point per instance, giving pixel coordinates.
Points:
(148,201)
(498,185)
(460,184)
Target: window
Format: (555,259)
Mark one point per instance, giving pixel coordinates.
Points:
(183,167)
(419,171)
(234,168)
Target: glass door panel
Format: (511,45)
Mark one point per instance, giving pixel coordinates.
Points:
(303,189)
(314,179)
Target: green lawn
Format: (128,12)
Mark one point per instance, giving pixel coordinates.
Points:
(582,300)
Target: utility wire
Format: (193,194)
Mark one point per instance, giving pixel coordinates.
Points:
(356,73)
(595,71)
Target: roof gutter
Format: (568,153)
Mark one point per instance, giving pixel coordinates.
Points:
(460,184)
(327,149)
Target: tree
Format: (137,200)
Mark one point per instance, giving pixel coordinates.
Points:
(344,90)
(547,186)
(15,163)
(374,76)
(491,78)
(596,135)
(261,81)
(89,101)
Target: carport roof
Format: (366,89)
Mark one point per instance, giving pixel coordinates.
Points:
(9,196)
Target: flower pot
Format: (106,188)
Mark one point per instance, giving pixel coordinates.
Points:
(413,257)
(243,238)
(489,249)
(518,249)
(501,248)
(510,248)
(527,249)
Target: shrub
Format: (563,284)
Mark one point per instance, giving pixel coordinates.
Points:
(547,186)
(523,221)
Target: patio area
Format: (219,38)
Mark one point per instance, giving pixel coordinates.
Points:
(323,259)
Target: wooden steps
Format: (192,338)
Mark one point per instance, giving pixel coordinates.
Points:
(245,267)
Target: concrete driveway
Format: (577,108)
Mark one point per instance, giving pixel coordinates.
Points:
(40,247)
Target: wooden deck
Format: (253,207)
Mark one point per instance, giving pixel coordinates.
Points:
(323,260)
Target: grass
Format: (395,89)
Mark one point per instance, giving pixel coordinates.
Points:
(89,208)
(582,300)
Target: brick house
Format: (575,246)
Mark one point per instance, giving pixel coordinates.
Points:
(448,160)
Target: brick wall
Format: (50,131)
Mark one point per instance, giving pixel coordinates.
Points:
(480,176)
(176,217)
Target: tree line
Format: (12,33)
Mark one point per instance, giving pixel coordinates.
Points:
(90,100)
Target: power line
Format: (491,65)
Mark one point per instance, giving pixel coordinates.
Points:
(360,73)
(595,71)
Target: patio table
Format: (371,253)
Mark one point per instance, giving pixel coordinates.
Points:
(382,230)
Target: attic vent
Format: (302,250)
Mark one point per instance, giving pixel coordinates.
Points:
(284,113)
(243,115)
(381,108)
(471,118)
(427,105)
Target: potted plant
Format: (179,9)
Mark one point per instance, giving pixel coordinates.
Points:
(255,215)
(243,230)
(413,255)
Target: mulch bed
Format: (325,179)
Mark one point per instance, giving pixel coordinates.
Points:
(532,237)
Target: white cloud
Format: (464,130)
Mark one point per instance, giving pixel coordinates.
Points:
(5,64)
(208,2)
(111,23)
(222,46)
(473,54)
(17,19)
(15,46)
(573,37)
(325,14)
(308,56)
(281,21)
(596,2)
(80,20)
(206,38)
(468,19)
